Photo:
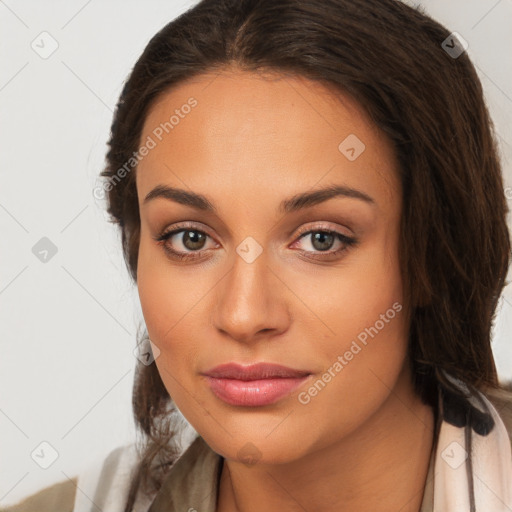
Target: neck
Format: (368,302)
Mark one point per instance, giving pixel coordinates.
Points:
(381,466)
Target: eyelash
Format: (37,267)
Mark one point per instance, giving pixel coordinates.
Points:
(164,236)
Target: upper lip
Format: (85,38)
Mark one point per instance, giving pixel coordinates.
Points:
(254,371)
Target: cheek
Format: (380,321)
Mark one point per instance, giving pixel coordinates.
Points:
(353,297)
(166,305)
(172,311)
(162,312)
(365,347)
(165,295)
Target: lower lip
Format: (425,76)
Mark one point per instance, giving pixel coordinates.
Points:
(253,393)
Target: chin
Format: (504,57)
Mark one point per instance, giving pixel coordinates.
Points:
(257,447)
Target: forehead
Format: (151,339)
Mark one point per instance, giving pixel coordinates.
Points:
(262,132)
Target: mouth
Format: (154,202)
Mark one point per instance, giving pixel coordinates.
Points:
(255,385)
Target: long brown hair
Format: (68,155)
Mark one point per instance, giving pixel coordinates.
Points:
(394,60)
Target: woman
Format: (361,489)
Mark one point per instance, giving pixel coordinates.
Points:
(312,208)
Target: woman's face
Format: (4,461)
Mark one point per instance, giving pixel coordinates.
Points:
(309,283)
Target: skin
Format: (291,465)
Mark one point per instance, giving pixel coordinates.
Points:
(252,141)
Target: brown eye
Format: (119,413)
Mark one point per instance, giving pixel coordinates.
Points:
(193,240)
(183,243)
(322,240)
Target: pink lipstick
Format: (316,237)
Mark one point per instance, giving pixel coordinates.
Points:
(254,385)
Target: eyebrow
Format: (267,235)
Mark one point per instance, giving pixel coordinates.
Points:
(292,204)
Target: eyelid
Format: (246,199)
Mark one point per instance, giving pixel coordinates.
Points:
(180,226)
(322,226)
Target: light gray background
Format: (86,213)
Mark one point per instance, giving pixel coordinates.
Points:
(68,325)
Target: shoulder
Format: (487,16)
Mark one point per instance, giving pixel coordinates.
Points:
(59,496)
(105,481)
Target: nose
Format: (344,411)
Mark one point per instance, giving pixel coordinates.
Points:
(251,302)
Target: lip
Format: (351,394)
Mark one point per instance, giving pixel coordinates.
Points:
(254,385)
(256,371)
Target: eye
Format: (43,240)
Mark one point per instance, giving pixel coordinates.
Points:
(189,239)
(321,241)
(193,242)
